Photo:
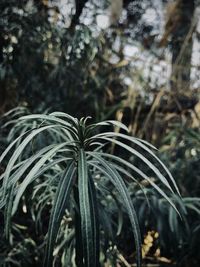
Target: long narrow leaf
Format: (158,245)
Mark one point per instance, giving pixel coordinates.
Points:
(95,220)
(139,155)
(20,149)
(140,144)
(143,175)
(33,171)
(118,182)
(59,206)
(85,210)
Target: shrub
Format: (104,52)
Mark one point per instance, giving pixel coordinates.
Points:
(78,150)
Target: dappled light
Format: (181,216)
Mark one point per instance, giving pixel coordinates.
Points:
(99,133)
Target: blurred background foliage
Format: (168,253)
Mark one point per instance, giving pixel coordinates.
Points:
(134,61)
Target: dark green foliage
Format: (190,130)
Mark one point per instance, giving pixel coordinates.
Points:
(78,151)
(57,55)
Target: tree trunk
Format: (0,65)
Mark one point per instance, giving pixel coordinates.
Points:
(181,45)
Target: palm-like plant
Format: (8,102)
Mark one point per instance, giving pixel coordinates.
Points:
(79,152)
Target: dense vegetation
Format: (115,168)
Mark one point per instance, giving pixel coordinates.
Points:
(134,62)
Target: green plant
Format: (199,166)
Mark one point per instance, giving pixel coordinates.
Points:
(78,150)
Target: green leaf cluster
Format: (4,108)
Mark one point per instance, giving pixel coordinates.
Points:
(79,151)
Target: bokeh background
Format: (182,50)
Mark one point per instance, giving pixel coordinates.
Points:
(134,61)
